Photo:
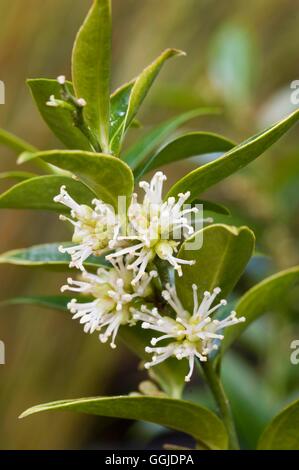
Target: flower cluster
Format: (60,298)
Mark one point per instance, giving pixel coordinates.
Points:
(112,295)
(156,226)
(189,335)
(121,292)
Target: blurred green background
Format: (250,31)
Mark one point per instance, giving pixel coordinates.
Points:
(241,57)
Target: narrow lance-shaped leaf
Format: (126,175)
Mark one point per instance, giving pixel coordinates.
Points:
(188,145)
(203,425)
(282,432)
(207,175)
(119,102)
(16,175)
(211,206)
(91,63)
(107,176)
(59,120)
(139,152)
(144,82)
(39,192)
(46,256)
(263,297)
(53,302)
(19,145)
(138,92)
(219,262)
(15,143)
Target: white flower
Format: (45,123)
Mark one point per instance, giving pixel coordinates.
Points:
(113,295)
(95,230)
(191,335)
(156,227)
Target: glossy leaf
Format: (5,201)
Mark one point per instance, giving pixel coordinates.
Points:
(207,175)
(91,63)
(138,92)
(38,193)
(15,143)
(107,176)
(260,299)
(47,256)
(282,432)
(204,426)
(144,82)
(211,206)
(16,175)
(119,102)
(53,302)
(59,120)
(220,261)
(188,145)
(138,152)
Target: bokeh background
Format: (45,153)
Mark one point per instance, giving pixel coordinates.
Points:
(241,57)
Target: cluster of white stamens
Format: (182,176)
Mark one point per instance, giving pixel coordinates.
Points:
(94,229)
(112,294)
(155,229)
(189,336)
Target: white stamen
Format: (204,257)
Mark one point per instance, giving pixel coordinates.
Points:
(191,336)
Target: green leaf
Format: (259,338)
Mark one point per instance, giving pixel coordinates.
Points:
(107,176)
(220,261)
(144,146)
(144,82)
(56,302)
(204,426)
(282,432)
(15,143)
(188,145)
(59,120)
(211,206)
(47,256)
(16,175)
(26,157)
(119,102)
(91,63)
(207,175)
(38,193)
(169,374)
(138,92)
(260,299)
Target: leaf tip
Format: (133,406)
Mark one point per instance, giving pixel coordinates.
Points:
(25,414)
(177,52)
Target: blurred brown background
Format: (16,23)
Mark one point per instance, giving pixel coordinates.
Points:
(242,57)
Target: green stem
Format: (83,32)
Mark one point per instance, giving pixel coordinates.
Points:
(77,112)
(163,271)
(219,394)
